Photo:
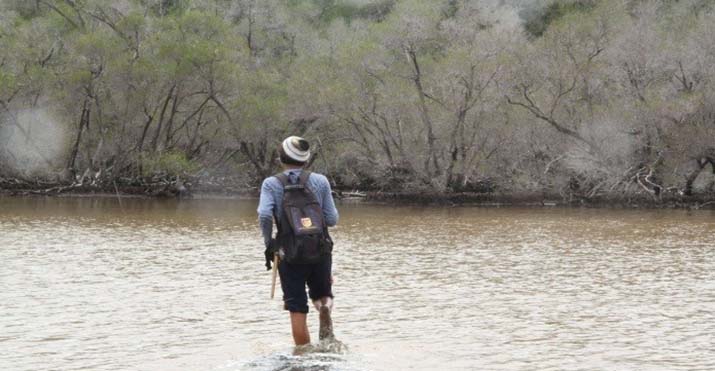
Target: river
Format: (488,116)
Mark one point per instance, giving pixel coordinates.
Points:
(99,284)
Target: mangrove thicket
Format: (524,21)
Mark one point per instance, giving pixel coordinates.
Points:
(578,98)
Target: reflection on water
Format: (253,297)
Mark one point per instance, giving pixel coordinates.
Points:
(165,285)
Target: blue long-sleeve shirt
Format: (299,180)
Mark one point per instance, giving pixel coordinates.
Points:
(272,199)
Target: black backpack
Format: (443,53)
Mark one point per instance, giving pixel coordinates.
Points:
(302,232)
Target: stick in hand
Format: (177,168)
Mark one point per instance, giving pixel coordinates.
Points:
(275,273)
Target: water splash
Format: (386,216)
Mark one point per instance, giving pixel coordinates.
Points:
(326,346)
(328,355)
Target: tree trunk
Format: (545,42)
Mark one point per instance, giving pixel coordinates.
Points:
(155,140)
(425,117)
(83,122)
(693,175)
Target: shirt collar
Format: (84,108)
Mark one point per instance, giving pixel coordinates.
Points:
(293,175)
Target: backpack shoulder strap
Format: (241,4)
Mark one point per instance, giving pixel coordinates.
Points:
(282,178)
(303,179)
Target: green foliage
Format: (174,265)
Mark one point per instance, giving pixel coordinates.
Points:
(330,10)
(7,83)
(162,8)
(537,21)
(168,164)
(348,12)
(133,23)
(24,8)
(261,108)
(409,95)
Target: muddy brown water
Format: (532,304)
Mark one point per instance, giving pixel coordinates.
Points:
(92,284)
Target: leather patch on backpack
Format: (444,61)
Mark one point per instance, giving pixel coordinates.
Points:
(306,222)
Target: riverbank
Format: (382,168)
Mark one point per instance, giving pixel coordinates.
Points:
(545,200)
(494,199)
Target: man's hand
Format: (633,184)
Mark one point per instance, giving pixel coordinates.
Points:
(269,258)
(270,253)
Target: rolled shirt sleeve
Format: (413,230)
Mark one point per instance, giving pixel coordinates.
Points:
(267,201)
(266,204)
(330,212)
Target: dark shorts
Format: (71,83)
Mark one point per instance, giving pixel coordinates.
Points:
(295,276)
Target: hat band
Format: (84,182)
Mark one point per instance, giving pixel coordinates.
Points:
(293,152)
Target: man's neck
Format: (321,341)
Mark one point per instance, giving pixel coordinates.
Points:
(291,167)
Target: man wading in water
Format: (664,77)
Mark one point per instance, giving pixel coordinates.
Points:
(302,205)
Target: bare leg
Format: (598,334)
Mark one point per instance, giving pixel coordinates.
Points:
(299,327)
(324,306)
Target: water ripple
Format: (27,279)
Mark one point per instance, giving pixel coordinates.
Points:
(181,286)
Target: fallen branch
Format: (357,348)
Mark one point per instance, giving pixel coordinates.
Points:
(352,194)
(54,190)
(700,206)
